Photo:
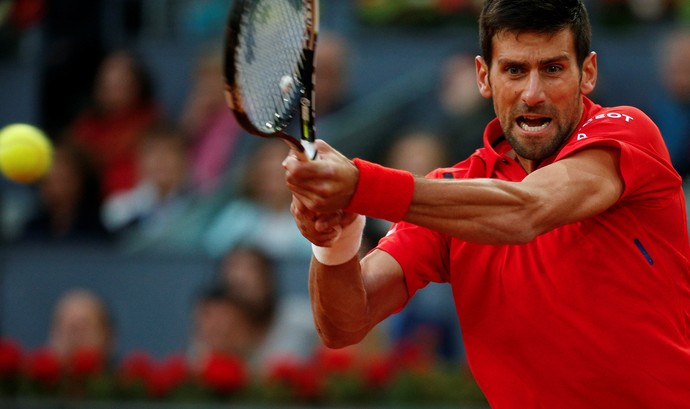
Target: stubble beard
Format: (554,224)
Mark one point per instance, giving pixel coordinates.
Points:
(538,150)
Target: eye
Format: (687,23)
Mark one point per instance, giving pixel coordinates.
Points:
(513,70)
(553,69)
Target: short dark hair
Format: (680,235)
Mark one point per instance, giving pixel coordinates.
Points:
(536,16)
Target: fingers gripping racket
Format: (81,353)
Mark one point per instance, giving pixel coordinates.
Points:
(269,68)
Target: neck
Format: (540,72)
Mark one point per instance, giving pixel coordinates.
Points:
(528,165)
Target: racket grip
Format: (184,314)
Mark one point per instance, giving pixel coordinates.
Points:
(309,149)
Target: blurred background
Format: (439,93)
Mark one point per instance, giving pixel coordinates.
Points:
(155,189)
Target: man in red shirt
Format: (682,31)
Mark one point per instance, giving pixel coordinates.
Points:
(564,238)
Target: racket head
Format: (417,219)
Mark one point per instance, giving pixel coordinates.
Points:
(269,67)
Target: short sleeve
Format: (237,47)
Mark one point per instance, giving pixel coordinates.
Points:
(422,253)
(645,164)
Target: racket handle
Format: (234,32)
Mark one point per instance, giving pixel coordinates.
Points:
(304,149)
(309,149)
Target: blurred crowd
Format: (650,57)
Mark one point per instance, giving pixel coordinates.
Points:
(126,174)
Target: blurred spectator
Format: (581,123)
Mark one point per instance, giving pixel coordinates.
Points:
(17,206)
(428,323)
(449,106)
(418,151)
(244,315)
(68,199)
(651,10)
(123,108)
(72,47)
(249,272)
(331,84)
(210,125)
(628,12)
(260,215)
(459,109)
(81,321)
(203,20)
(671,110)
(222,324)
(161,193)
(16,17)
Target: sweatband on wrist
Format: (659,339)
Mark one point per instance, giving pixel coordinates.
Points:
(381,192)
(345,247)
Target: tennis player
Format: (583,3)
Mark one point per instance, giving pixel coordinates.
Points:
(564,238)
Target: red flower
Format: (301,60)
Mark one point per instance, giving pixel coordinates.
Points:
(166,376)
(309,383)
(413,357)
(284,369)
(379,371)
(87,361)
(44,366)
(224,373)
(304,378)
(136,366)
(334,360)
(10,358)
(175,366)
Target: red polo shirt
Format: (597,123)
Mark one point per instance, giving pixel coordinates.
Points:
(591,314)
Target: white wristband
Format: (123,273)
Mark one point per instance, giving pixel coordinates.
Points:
(344,247)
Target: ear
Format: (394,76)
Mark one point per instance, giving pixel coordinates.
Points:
(482,77)
(589,74)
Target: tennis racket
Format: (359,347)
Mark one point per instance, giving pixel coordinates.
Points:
(269,68)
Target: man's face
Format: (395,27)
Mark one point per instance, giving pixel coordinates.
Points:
(537,88)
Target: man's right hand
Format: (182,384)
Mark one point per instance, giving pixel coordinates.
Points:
(324,185)
(322,229)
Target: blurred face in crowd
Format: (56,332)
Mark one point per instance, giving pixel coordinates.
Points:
(417,152)
(266,181)
(62,186)
(537,87)
(223,326)
(80,321)
(458,92)
(332,60)
(248,275)
(118,87)
(163,161)
(676,66)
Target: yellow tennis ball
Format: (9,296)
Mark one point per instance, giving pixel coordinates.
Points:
(26,153)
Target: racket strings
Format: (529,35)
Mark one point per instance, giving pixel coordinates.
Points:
(271,41)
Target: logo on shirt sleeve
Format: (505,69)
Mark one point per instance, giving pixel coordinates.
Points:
(610,115)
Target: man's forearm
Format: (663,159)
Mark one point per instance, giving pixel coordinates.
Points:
(339,303)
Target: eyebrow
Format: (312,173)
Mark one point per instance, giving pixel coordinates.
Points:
(546,61)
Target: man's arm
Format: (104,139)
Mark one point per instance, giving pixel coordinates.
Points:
(478,210)
(499,212)
(350,297)
(348,300)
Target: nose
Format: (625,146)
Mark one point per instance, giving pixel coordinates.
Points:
(533,93)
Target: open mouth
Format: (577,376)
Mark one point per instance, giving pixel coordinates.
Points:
(533,124)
